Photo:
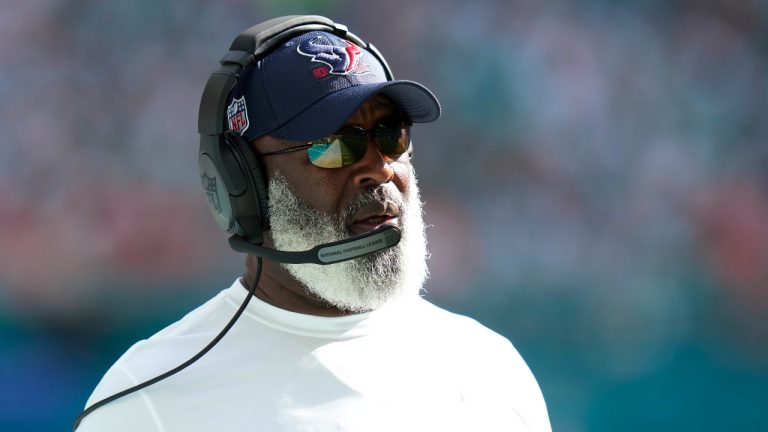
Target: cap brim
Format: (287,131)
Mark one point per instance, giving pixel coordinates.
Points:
(330,113)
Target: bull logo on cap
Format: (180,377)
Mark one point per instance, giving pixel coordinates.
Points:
(341,59)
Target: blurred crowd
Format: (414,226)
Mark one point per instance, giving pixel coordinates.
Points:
(597,191)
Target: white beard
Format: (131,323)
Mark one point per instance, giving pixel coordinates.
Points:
(360,284)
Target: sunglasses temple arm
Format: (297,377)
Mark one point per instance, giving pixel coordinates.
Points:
(288,150)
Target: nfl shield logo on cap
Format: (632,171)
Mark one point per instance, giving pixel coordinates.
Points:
(237,115)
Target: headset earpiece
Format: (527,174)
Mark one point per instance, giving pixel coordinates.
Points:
(253,169)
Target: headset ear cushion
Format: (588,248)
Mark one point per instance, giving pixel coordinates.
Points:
(255,170)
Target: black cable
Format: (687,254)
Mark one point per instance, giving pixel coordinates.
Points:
(179,368)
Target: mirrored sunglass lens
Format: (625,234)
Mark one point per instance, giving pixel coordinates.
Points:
(325,155)
(339,151)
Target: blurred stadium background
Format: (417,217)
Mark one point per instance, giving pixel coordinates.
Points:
(597,190)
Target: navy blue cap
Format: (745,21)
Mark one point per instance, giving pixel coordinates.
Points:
(308,87)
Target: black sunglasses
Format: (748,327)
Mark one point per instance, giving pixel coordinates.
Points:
(349,144)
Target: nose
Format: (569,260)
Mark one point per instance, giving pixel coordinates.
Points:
(374,168)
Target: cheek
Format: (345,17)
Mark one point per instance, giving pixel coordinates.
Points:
(310,184)
(321,192)
(403,177)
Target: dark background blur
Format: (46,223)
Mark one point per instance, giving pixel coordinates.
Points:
(597,190)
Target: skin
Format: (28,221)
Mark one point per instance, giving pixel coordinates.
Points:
(329,191)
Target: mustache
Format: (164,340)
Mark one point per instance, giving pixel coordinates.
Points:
(381,194)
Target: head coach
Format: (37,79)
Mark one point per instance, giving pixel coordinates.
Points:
(305,161)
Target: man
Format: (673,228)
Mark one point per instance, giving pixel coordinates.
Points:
(349,346)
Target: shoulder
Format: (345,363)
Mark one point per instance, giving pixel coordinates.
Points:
(464,342)
(123,415)
(147,359)
(176,342)
(493,373)
(460,329)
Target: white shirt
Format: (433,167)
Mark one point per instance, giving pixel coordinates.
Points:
(408,366)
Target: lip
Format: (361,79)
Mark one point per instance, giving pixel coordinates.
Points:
(373,216)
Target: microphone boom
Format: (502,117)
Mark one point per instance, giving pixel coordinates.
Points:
(328,253)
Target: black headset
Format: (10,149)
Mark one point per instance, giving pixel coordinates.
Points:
(239,201)
(231,173)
